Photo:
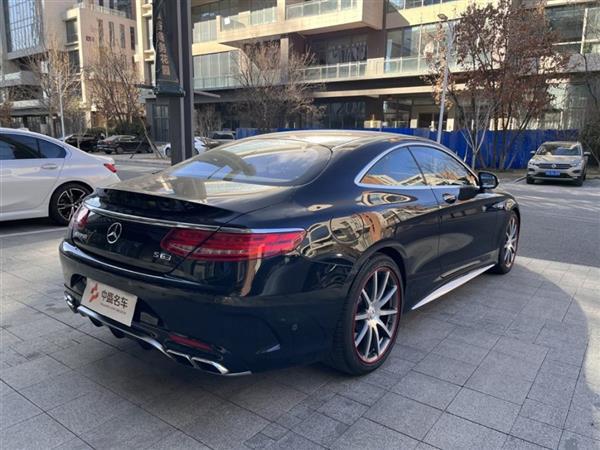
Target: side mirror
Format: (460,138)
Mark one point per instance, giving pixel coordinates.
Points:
(587,153)
(488,180)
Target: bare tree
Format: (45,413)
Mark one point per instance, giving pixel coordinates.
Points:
(59,81)
(113,86)
(510,57)
(6,107)
(207,120)
(473,105)
(274,89)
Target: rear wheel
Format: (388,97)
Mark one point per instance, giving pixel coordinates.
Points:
(530,180)
(508,249)
(367,330)
(65,201)
(119,150)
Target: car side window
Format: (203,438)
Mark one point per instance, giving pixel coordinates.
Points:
(17,146)
(441,169)
(397,168)
(50,150)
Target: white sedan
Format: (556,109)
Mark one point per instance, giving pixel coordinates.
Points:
(199,146)
(41,176)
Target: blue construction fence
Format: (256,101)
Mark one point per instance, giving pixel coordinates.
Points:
(519,153)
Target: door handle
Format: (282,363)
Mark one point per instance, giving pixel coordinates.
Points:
(49,166)
(449,198)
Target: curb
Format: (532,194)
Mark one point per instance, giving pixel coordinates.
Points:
(143,162)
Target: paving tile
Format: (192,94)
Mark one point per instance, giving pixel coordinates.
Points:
(448,369)
(514,347)
(39,432)
(37,328)
(182,406)
(227,426)
(343,409)
(32,372)
(426,389)
(15,408)
(59,389)
(404,415)
(552,390)
(585,422)
(525,328)
(484,409)
(74,444)
(397,365)
(88,411)
(364,393)
(366,434)
(517,367)
(536,432)
(514,443)
(307,379)
(383,378)
(460,351)
(500,385)
(178,441)
(573,441)
(452,432)
(133,428)
(321,429)
(85,353)
(544,413)
(259,441)
(474,336)
(268,399)
(274,431)
(408,353)
(294,441)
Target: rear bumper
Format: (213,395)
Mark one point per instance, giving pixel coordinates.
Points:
(245,334)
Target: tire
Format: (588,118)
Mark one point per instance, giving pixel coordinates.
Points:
(65,201)
(530,180)
(119,150)
(506,262)
(578,181)
(354,349)
(168,152)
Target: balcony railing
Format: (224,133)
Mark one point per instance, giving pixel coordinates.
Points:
(220,82)
(336,71)
(101,9)
(244,20)
(409,65)
(318,7)
(205,31)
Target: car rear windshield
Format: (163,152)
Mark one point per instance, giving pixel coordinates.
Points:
(278,162)
(559,150)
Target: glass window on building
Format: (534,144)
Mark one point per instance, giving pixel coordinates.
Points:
(100,32)
(122,35)
(111,34)
(132,37)
(71,31)
(592,30)
(204,19)
(409,49)
(262,11)
(398,5)
(339,50)
(396,113)
(567,22)
(340,115)
(74,60)
(160,122)
(215,70)
(149,31)
(23,24)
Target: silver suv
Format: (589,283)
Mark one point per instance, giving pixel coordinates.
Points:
(564,161)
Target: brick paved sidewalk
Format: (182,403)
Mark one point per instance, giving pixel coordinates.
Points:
(509,362)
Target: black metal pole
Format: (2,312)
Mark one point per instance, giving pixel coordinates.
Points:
(173,46)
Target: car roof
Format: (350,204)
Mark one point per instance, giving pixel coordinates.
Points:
(561,142)
(334,139)
(32,134)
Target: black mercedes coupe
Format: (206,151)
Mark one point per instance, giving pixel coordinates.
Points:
(286,248)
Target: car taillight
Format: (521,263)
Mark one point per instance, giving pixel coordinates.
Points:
(111,167)
(224,246)
(80,218)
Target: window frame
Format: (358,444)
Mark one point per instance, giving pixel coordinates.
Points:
(430,145)
(407,150)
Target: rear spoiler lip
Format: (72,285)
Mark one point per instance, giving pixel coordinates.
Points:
(174,224)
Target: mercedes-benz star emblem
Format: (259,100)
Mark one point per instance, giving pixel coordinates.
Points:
(554,166)
(114,232)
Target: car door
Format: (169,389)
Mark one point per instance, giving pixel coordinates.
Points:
(29,171)
(400,206)
(468,217)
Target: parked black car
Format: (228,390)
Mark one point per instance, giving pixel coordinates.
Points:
(120,144)
(286,248)
(85,142)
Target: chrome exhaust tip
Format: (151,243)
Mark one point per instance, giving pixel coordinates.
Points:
(70,300)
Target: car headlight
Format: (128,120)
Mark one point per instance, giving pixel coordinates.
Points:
(532,163)
(577,164)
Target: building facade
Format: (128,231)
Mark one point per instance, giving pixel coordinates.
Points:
(78,27)
(370,56)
